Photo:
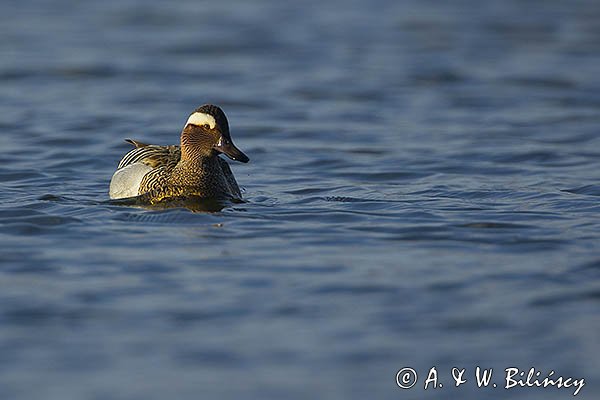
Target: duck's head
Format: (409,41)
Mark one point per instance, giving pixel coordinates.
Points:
(206,133)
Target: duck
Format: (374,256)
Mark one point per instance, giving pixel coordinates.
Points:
(194,168)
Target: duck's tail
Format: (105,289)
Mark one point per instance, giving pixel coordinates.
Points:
(136,143)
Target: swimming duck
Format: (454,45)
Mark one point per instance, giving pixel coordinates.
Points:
(157,173)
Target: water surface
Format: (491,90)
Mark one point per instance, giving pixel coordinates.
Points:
(423,191)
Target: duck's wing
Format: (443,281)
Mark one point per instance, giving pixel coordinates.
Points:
(143,168)
(151,155)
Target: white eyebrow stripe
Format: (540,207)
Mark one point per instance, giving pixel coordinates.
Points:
(200,119)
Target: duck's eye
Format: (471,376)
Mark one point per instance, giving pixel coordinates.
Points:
(206,126)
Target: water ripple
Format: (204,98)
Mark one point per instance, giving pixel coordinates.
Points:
(424,175)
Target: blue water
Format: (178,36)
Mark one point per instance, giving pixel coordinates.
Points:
(424,190)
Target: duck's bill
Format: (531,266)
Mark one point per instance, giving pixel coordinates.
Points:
(232,152)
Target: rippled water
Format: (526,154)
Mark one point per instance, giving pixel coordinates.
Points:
(424,190)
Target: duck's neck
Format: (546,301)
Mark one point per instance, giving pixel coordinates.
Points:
(195,148)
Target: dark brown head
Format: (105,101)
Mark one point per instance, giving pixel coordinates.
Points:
(206,134)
